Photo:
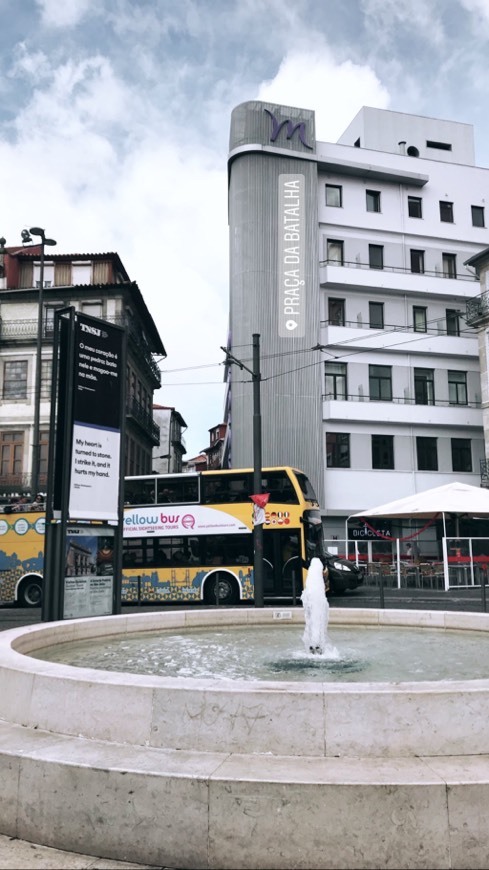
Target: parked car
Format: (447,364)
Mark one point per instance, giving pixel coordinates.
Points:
(342,573)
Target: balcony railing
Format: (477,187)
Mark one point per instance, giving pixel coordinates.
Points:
(144,419)
(20,484)
(23,330)
(398,400)
(26,330)
(484,472)
(395,327)
(403,270)
(477,310)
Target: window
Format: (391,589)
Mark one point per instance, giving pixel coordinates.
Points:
(453,321)
(94,309)
(334,195)
(376,256)
(376,315)
(424,386)
(382,451)
(417,261)
(15,380)
(335,252)
(415,206)
(426,450)
(442,146)
(177,489)
(380,383)
(335,378)
(81,273)
(373,200)
(49,314)
(337,450)
(457,388)
(11,453)
(48,275)
(477,216)
(46,369)
(461,454)
(446,212)
(43,456)
(449,262)
(420,323)
(336,312)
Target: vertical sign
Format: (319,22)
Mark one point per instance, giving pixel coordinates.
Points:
(291,253)
(96,444)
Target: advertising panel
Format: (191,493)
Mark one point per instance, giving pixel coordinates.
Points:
(95,457)
(198,520)
(89,571)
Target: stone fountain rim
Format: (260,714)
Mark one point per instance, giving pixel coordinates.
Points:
(18,647)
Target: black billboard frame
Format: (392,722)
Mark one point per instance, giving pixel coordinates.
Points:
(59,463)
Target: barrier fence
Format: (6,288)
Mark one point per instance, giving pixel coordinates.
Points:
(459,563)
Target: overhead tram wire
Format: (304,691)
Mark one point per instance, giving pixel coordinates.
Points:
(318,347)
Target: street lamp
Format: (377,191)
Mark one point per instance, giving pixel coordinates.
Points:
(36,441)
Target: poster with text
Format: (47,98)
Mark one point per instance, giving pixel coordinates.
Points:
(89,571)
(97,408)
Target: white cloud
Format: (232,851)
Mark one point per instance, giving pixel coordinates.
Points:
(312,79)
(66,13)
(122,145)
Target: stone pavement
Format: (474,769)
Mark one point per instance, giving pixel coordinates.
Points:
(20,855)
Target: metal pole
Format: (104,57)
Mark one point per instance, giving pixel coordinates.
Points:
(257,472)
(381,590)
(36,447)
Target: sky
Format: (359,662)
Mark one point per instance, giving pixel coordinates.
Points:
(114,131)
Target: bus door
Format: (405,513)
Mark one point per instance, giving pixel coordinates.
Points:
(281,564)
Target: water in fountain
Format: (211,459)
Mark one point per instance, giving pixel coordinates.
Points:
(316,610)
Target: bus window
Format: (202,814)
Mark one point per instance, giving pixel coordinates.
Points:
(178,490)
(226,488)
(306,487)
(280,487)
(139,491)
(229,549)
(132,556)
(313,530)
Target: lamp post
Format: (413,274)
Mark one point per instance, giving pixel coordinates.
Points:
(36,441)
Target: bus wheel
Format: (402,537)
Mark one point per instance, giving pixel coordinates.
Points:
(30,592)
(228,590)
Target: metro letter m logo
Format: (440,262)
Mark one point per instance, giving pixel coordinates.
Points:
(291,128)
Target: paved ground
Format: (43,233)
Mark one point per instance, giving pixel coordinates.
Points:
(20,855)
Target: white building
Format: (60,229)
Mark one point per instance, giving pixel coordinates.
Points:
(168,455)
(372,386)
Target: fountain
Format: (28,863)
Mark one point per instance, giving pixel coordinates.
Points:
(205,773)
(316,609)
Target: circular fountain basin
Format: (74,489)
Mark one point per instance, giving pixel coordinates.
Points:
(236,773)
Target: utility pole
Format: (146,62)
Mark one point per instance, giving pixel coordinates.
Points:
(36,437)
(257,461)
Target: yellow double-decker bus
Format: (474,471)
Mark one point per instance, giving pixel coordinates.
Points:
(186,537)
(21,554)
(189,537)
